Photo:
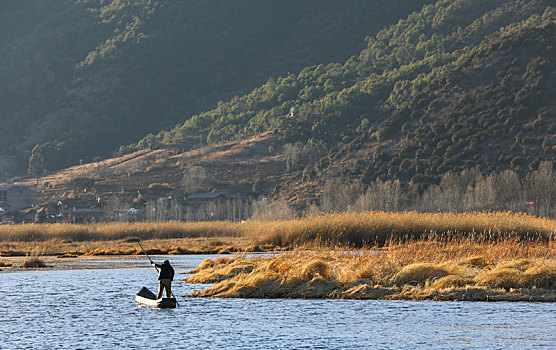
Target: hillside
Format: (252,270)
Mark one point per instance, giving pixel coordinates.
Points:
(229,167)
(84,77)
(456,85)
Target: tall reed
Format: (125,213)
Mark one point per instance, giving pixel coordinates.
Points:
(375,227)
(331,230)
(116,231)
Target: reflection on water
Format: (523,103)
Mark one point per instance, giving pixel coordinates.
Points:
(95,308)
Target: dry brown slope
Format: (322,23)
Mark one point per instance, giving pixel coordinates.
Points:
(233,167)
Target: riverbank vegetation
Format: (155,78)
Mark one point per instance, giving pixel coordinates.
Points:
(174,246)
(33,262)
(474,268)
(349,230)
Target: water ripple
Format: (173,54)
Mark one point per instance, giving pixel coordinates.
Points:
(92,309)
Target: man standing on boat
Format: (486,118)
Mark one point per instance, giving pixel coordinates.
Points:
(165,278)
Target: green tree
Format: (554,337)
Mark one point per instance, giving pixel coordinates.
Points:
(36,163)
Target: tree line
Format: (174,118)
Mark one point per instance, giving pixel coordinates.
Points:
(468,190)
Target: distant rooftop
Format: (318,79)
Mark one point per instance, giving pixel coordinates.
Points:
(213,195)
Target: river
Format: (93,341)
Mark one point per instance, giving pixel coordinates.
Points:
(94,308)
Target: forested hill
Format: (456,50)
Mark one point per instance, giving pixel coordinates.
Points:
(457,84)
(83,77)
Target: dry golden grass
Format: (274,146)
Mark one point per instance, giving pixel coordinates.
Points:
(216,270)
(361,229)
(5,264)
(432,268)
(89,169)
(333,230)
(117,231)
(173,246)
(33,262)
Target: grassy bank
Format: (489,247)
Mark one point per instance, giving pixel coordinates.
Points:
(472,268)
(333,230)
(171,246)
(118,230)
(122,238)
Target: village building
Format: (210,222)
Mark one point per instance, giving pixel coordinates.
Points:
(17,197)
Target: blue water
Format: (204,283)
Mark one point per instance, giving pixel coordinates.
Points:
(95,309)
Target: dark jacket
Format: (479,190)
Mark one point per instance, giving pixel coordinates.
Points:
(166,271)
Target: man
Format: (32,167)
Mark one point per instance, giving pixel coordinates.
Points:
(165,278)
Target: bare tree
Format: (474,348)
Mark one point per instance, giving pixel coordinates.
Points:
(381,195)
(36,163)
(117,209)
(541,190)
(463,191)
(196,179)
(293,154)
(339,196)
(272,210)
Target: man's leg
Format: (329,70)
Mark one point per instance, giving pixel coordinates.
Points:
(169,289)
(160,289)
(165,284)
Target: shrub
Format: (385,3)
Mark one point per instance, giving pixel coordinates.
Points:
(160,186)
(33,262)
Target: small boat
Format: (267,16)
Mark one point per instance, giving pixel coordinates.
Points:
(146,297)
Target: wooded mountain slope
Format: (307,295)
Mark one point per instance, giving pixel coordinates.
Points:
(459,84)
(85,76)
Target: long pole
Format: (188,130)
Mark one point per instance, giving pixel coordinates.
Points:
(156,269)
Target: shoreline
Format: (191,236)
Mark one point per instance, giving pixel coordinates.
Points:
(462,294)
(129,247)
(84,262)
(87,262)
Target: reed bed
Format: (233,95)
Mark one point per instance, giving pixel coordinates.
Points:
(437,268)
(332,230)
(376,227)
(117,231)
(171,246)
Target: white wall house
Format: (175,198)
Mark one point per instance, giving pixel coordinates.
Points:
(17,197)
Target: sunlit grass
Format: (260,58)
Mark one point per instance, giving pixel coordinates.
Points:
(33,262)
(361,229)
(116,231)
(5,264)
(347,230)
(342,228)
(171,246)
(464,268)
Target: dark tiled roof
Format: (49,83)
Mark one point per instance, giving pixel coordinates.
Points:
(235,196)
(212,195)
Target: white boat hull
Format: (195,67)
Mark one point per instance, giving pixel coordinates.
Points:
(146,297)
